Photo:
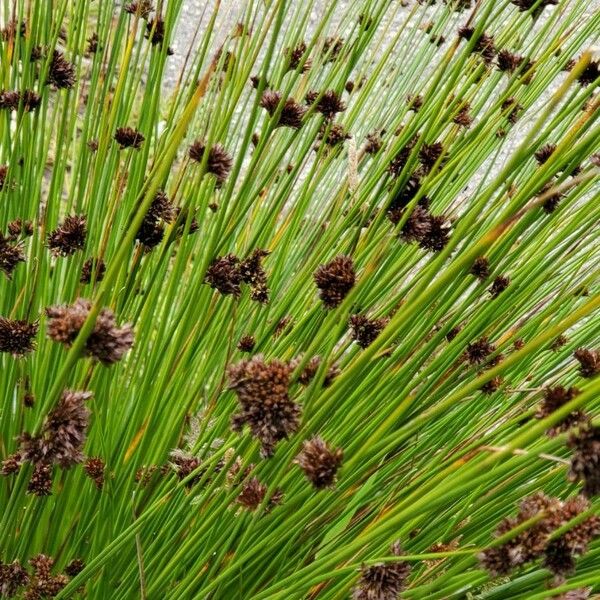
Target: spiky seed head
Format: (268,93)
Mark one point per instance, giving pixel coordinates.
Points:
(335,280)
(95,267)
(128,137)
(585,461)
(365,331)
(61,73)
(589,361)
(17,336)
(499,285)
(224,275)
(69,237)
(320,462)
(219,162)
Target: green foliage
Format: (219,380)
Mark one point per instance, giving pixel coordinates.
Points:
(422,164)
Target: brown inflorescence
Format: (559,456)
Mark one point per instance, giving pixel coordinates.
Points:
(334,280)
(219,162)
(589,362)
(320,462)
(107,342)
(69,236)
(365,330)
(554,398)
(265,406)
(17,336)
(585,462)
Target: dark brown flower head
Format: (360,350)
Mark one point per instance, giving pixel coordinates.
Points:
(295,56)
(332,48)
(40,483)
(453,333)
(481,268)
(11,464)
(246,343)
(508,61)
(107,343)
(143,8)
(291,114)
(334,134)
(484,46)
(17,337)
(478,351)
(554,398)
(265,406)
(184,465)
(3,175)
(329,104)
(402,199)
(69,237)
(155,30)
(95,267)
(493,385)
(92,43)
(463,116)
(585,462)
(253,494)
(417,226)
(415,102)
(9,99)
(61,73)
(558,343)
(284,326)
(439,233)
(544,153)
(224,275)
(429,154)
(525,5)
(383,581)
(219,161)
(94,469)
(93,145)
(512,108)
(373,143)
(151,231)
(335,280)
(253,274)
(19,227)
(127,137)
(64,432)
(319,462)
(590,73)
(74,567)
(365,330)
(310,370)
(589,362)
(12,577)
(499,285)
(10,256)
(518,344)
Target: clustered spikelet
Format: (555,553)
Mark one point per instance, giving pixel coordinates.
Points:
(554,398)
(373,143)
(63,434)
(219,162)
(155,30)
(332,48)
(20,227)
(590,73)
(463,116)
(291,113)
(558,343)
(512,109)
(246,343)
(429,154)
(9,99)
(499,284)
(10,256)
(334,280)
(310,371)
(328,103)
(128,137)
(525,5)
(143,8)
(479,350)
(253,494)
(224,275)
(265,406)
(295,56)
(61,73)
(333,135)
(94,468)
(69,236)
(107,343)
(12,577)
(543,154)
(589,362)
(95,267)
(319,462)
(365,330)
(484,46)
(151,231)
(548,514)
(585,462)
(481,268)
(253,274)
(17,336)
(508,61)
(383,581)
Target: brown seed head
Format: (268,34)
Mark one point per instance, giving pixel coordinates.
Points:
(17,336)
(335,280)
(127,137)
(319,462)
(69,236)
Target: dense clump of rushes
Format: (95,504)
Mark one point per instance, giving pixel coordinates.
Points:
(108,343)
(265,405)
(335,280)
(383,327)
